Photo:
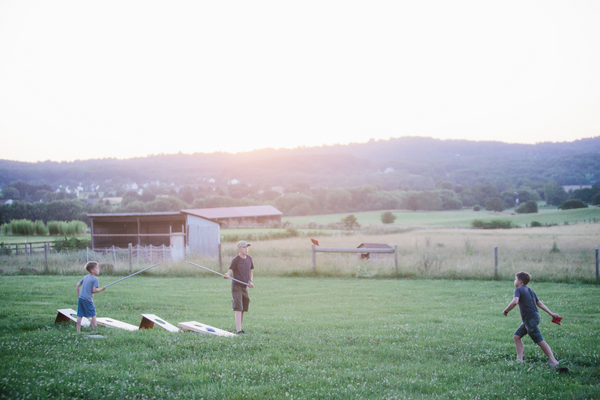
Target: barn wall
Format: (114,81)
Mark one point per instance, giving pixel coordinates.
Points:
(203,236)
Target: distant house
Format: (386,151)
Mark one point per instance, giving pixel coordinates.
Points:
(575,187)
(9,201)
(369,256)
(227,216)
(114,201)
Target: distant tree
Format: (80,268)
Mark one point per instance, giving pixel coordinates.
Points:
(554,194)
(270,195)
(350,222)
(444,185)
(338,199)
(494,204)
(188,195)
(476,207)
(9,192)
(572,204)
(387,217)
(596,200)
(529,207)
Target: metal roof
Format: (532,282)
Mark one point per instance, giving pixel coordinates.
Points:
(234,212)
(134,214)
(374,246)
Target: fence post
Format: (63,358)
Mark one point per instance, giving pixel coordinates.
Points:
(130,257)
(597,271)
(220,258)
(87,254)
(151,255)
(30,249)
(396,258)
(163,250)
(496,262)
(115,256)
(314,258)
(46,255)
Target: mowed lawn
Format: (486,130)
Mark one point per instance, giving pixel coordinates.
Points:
(306,338)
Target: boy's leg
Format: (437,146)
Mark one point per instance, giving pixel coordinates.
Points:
(79,324)
(548,351)
(94,322)
(519,346)
(239,317)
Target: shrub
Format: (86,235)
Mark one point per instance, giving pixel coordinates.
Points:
(350,221)
(71,243)
(554,248)
(388,217)
(530,207)
(63,228)
(535,224)
(492,224)
(572,204)
(5,250)
(476,207)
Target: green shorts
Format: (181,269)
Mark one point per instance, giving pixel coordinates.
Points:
(241,300)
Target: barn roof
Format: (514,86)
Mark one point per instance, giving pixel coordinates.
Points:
(145,215)
(374,246)
(233,212)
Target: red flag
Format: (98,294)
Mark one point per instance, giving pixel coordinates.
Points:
(557,320)
(315,241)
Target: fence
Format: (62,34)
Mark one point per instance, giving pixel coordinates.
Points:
(316,250)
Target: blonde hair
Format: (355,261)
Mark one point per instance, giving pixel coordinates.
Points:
(91,265)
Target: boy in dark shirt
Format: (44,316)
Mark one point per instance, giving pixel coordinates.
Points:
(241,269)
(527,301)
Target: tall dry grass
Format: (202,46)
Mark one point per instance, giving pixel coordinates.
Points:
(426,253)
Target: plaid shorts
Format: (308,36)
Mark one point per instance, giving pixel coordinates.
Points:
(86,308)
(241,300)
(530,326)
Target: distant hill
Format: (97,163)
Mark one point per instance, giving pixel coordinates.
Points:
(416,162)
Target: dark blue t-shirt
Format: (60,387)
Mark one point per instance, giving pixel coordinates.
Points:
(527,301)
(241,269)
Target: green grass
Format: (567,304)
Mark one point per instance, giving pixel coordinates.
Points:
(29,239)
(307,338)
(458,218)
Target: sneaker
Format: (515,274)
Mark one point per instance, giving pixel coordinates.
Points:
(237,333)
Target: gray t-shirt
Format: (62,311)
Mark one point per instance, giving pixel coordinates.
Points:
(527,301)
(241,269)
(87,283)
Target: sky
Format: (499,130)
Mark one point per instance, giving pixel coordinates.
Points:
(122,79)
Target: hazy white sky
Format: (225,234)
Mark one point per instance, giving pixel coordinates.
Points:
(122,79)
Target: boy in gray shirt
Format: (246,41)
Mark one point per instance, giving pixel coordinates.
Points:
(527,301)
(85,292)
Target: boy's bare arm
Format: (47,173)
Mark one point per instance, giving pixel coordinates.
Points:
(78,287)
(98,290)
(227,274)
(512,305)
(543,307)
(251,283)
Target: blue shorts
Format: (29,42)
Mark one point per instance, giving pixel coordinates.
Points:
(86,308)
(530,326)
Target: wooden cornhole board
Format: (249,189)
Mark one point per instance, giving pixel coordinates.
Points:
(67,314)
(203,328)
(148,321)
(113,323)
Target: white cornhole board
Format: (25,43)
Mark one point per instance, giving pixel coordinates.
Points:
(66,314)
(148,321)
(203,328)
(113,323)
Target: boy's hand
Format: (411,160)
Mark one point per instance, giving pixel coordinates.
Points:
(505,313)
(554,315)
(225,276)
(250,284)
(103,288)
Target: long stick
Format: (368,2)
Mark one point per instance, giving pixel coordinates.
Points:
(215,272)
(139,272)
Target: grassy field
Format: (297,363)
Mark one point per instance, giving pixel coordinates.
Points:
(306,338)
(33,239)
(458,218)
(423,253)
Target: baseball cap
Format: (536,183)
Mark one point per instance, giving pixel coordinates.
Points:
(243,243)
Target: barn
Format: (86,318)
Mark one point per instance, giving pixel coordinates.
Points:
(369,256)
(180,230)
(236,216)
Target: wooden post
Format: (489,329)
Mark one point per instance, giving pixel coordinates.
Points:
(496,262)
(151,254)
(396,258)
(115,257)
(46,255)
(314,259)
(87,254)
(163,250)
(130,257)
(597,271)
(30,249)
(220,258)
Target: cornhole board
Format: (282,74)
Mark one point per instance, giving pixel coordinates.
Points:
(148,321)
(203,328)
(113,323)
(67,314)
